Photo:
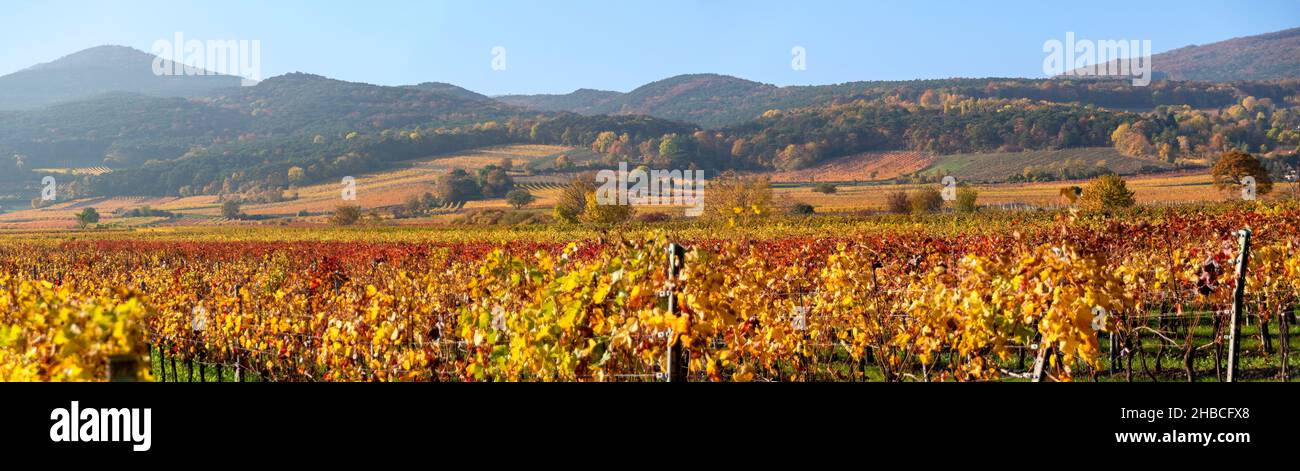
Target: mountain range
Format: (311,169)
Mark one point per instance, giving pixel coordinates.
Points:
(104,106)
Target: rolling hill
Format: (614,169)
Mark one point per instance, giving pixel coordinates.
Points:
(1269,56)
(97,71)
(126,129)
(715,101)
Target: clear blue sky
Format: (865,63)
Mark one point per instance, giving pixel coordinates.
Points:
(557,46)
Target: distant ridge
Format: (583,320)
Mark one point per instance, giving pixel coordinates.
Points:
(96,71)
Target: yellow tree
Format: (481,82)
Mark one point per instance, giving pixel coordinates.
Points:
(1106,192)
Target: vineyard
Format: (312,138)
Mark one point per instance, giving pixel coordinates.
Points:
(1051,296)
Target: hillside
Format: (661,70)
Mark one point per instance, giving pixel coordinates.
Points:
(1263,57)
(1044,165)
(299,102)
(583,101)
(714,101)
(125,129)
(96,71)
(452,91)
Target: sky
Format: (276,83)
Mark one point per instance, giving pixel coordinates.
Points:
(558,46)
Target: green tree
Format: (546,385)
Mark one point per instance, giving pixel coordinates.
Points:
(87,217)
(428,201)
(494,182)
(520,198)
(413,205)
(230,209)
(563,163)
(456,186)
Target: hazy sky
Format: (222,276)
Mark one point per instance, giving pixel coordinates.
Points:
(557,46)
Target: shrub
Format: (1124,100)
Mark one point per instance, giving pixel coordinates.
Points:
(925,200)
(802,209)
(897,203)
(346,215)
(652,217)
(967,199)
(825,188)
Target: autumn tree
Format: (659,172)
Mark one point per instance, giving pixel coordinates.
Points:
(1106,192)
(601,214)
(296,175)
(1235,165)
(572,200)
(1130,142)
(735,197)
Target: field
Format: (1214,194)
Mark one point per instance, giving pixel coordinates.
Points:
(1162,189)
(875,166)
(1143,295)
(378,190)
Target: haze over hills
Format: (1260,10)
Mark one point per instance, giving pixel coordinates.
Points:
(96,71)
(120,128)
(1268,56)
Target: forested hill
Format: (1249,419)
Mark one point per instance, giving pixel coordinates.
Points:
(1269,56)
(713,101)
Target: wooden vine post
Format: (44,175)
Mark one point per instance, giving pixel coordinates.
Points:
(122,369)
(1238,302)
(677,365)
